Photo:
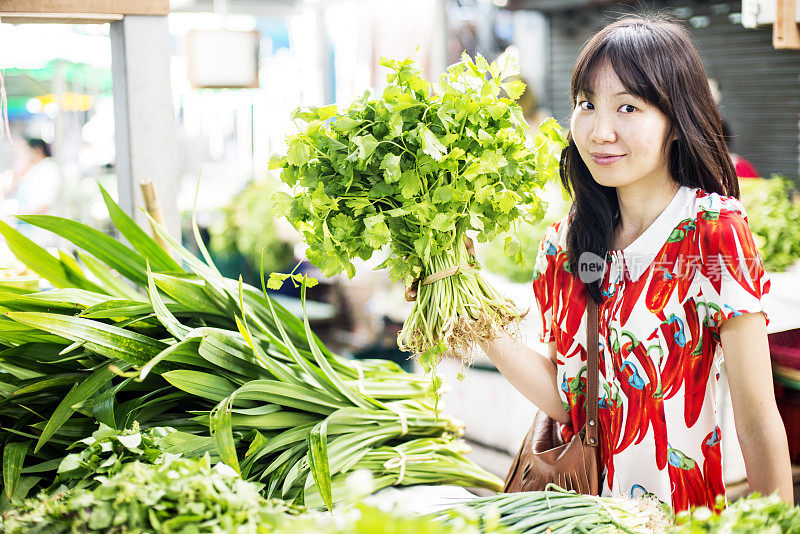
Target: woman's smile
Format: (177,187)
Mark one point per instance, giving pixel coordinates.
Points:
(606,159)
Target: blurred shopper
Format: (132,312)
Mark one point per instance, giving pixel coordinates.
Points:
(36,188)
(744,169)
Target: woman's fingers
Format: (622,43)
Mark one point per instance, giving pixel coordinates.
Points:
(411,291)
(470,245)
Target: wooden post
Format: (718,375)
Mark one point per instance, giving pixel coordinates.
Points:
(785,32)
(153,207)
(77,12)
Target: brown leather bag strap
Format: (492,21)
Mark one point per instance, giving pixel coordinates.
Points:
(592,424)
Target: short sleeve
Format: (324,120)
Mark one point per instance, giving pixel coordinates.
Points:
(733,278)
(544,271)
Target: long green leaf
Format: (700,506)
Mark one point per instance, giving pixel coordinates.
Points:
(13,458)
(105,248)
(49,465)
(127,412)
(74,272)
(281,465)
(188,444)
(272,421)
(36,258)
(318,462)
(199,238)
(113,284)
(9,290)
(138,238)
(190,293)
(103,404)
(230,353)
(184,352)
(196,265)
(108,340)
(289,395)
(299,434)
(78,393)
(118,309)
(166,318)
(222,433)
(205,385)
(278,369)
(23,369)
(215,285)
(47,383)
(15,333)
(66,298)
(46,353)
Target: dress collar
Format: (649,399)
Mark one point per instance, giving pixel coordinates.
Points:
(640,254)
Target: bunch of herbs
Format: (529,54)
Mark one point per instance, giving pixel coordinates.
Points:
(414,170)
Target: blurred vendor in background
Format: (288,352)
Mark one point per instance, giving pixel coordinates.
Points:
(36,184)
(35,188)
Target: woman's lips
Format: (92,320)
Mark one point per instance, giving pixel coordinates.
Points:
(607,159)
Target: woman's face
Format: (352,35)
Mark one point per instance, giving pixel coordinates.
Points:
(622,139)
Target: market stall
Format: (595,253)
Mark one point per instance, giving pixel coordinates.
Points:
(143,386)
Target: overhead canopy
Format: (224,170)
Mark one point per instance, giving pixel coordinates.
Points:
(23,84)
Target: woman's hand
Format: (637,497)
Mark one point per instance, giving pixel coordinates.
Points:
(470,246)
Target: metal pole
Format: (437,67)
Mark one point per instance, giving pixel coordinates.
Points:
(324,54)
(439,53)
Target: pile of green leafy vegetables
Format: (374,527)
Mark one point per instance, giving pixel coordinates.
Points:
(171,495)
(106,451)
(773,209)
(415,169)
(138,487)
(129,334)
(753,514)
(557,511)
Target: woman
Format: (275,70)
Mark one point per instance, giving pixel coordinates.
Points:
(655,202)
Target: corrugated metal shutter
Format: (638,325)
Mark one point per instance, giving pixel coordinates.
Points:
(760,86)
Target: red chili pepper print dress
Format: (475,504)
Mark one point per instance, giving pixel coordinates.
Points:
(666,296)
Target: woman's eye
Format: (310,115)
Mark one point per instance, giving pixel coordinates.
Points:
(627,108)
(584,104)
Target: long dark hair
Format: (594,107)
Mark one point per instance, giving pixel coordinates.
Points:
(655,60)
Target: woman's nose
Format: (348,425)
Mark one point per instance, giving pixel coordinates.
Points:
(603,130)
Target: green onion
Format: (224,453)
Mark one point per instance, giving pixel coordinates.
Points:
(557,511)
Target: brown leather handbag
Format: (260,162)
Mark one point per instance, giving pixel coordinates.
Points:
(545,458)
